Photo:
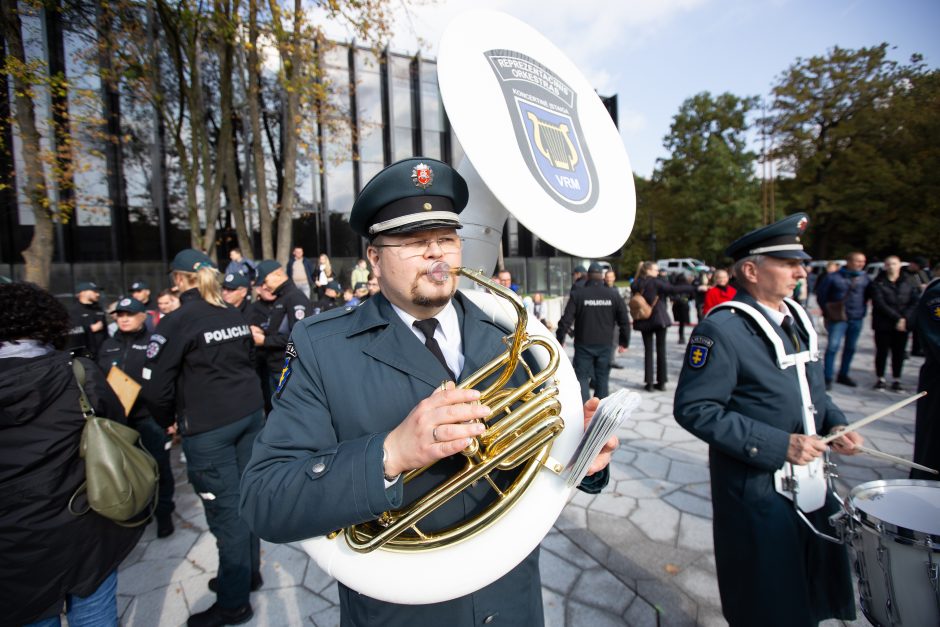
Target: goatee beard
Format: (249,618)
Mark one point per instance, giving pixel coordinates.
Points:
(426,301)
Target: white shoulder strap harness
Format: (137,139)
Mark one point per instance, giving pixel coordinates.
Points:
(804,485)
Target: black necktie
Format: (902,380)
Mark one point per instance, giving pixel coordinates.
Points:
(790,330)
(428,327)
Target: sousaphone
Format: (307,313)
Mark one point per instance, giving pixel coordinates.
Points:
(539,143)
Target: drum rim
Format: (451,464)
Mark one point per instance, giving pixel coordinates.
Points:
(887,527)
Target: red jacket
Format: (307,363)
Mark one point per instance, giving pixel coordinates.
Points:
(717,295)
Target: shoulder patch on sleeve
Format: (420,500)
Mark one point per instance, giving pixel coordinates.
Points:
(156,343)
(289,353)
(699,349)
(933,306)
(300,312)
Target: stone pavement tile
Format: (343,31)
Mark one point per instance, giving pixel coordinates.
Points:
(581,499)
(697,457)
(703,490)
(553,605)
(196,590)
(613,504)
(326,618)
(658,520)
(188,504)
(147,575)
(315,579)
(695,533)
(282,566)
(588,542)
(676,434)
(163,606)
(286,606)
(649,560)
(204,553)
(707,562)
(557,574)
(690,503)
(676,609)
(623,455)
(652,465)
(650,430)
(645,488)
(123,601)
(136,553)
(563,547)
(572,518)
(681,472)
(893,447)
(195,519)
(709,617)
(640,614)
(579,615)
(601,589)
(623,472)
(176,545)
(701,585)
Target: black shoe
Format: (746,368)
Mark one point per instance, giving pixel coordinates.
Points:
(896,387)
(660,386)
(616,366)
(828,385)
(165,526)
(215,616)
(256,582)
(846,380)
(648,387)
(879,385)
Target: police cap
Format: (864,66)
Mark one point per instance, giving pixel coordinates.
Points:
(780,239)
(411,195)
(595,268)
(580,268)
(190,260)
(361,286)
(138,285)
(335,286)
(130,305)
(83,286)
(233,281)
(265,268)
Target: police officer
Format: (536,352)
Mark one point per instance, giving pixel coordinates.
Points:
(235,291)
(199,373)
(594,309)
(288,307)
(329,457)
(89,321)
(755,415)
(331,298)
(127,350)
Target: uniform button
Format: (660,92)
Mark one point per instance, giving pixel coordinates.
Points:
(752,451)
(318,468)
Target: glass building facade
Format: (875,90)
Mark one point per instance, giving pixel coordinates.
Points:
(391,109)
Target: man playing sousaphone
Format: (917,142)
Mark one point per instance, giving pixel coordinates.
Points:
(360,402)
(752,387)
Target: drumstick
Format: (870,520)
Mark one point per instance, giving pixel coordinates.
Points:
(875,416)
(892,458)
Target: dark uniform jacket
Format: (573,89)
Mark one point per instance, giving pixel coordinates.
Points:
(595,309)
(732,395)
(45,551)
(927,430)
(320,418)
(127,351)
(82,317)
(200,365)
(290,307)
(891,302)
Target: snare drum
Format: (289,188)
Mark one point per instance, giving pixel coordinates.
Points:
(895,530)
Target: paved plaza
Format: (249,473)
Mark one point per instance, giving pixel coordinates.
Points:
(638,554)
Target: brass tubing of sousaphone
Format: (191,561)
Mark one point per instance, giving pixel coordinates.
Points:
(524,435)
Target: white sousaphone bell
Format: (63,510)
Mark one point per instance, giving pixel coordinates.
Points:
(540,144)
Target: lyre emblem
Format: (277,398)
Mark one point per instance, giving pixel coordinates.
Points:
(554,143)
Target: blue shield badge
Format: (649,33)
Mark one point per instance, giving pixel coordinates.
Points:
(698,355)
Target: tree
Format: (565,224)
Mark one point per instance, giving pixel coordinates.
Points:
(841,126)
(708,192)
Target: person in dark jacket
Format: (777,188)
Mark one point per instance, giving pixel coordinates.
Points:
(680,306)
(331,298)
(894,300)
(848,286)
(594,309)
(51,559)
(89,322)
(235,291)
(927,426)
(755,414)
(655,290)
(127,350)
(288,308)
(200,374)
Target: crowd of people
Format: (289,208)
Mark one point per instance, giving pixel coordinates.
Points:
(246,369)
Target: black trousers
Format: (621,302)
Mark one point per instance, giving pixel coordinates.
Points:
(661,376)
(889,341)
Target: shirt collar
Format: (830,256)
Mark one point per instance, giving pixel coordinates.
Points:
(448,323)
(775,314)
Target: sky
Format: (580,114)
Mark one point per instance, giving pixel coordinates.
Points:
(654,54)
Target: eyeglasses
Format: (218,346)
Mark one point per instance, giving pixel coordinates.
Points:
(447,244)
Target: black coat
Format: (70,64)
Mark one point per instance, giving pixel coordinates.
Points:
(771,570)
(892,301)
(81,337)
(595,309)
(290,307)
(127,351)
(653,288)
(927,431)
(46,551)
